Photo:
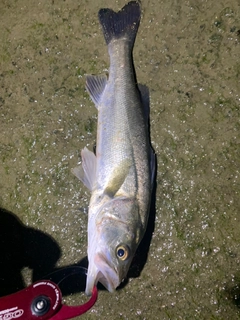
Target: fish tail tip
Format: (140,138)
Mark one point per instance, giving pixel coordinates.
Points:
(123,23)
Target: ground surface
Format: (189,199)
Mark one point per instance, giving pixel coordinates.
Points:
(187,53)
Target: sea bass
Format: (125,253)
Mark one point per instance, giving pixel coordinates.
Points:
(120,174)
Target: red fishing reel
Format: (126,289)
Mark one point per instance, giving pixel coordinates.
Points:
(43,300)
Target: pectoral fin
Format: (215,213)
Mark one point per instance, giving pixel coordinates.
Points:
(86,172)
(117,178)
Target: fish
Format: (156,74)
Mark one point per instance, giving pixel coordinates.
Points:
(120,173)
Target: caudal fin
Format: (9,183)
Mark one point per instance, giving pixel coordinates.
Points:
(121,24)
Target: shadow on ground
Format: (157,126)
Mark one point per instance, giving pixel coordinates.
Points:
(21,247)
(232,292)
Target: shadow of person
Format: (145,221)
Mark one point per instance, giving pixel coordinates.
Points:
(20,247)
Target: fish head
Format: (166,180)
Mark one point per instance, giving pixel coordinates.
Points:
(112,247)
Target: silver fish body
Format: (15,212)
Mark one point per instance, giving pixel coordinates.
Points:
(119,176)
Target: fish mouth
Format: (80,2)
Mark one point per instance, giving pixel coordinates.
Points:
(100,270)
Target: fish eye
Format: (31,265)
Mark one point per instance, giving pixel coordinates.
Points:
(122,252)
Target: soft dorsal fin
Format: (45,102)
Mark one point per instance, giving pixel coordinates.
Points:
(144,94)
(95,86)
(86,172)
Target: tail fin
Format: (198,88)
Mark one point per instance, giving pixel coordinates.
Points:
(122,24)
